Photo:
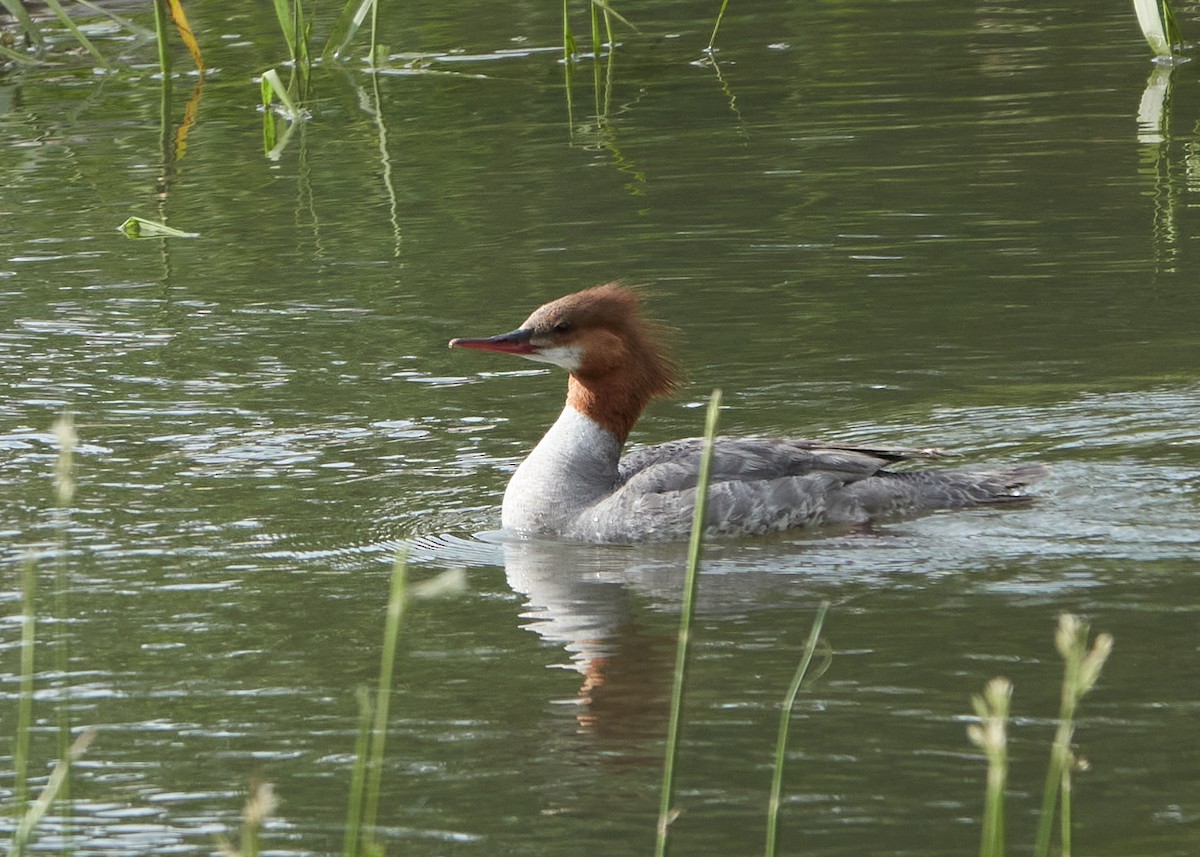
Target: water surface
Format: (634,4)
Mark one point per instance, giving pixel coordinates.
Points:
(915,224)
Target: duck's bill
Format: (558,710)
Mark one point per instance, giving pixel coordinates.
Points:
(513,342)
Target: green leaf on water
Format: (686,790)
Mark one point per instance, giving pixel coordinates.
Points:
(271,79)
(139,227)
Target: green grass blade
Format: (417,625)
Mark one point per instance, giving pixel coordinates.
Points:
(125,23)
(160,35)
(28,26)
(347,26)
(358,777)
(287,24)
(685,626)
(712,40)
(785,717)
(1170,24)
(64,491)
(140,227)
(281,92)
(596,40)
(1159,26)
(397,601)
(25,693)
(83,40)
(16,56)
(569,49)
(34,814)
(609,10)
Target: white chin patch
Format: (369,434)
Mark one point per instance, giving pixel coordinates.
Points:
(567,357)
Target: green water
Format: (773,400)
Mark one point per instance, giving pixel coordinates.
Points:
(903,223)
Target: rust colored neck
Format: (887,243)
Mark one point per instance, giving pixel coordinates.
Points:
(615,406)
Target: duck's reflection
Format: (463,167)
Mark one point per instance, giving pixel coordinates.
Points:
(580,598)
(609,613)
(599,605)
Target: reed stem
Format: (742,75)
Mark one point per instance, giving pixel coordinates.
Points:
(1081,670)
(712,40)
(397,601)
(25,694)
(991,735)
(691,578)
(789,704)
(358,776)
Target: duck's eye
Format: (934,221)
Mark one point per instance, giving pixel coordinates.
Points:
(562,327)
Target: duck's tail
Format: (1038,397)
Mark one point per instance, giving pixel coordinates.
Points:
(892,493)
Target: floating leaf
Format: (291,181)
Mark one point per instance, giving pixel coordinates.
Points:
(272,79)
(139,227)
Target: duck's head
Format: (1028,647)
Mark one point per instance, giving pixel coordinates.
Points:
(615,356)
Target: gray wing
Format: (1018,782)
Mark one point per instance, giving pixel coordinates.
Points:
(674,466)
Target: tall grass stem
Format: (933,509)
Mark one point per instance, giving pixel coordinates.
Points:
(691,578)
(160,36)
(712,40)
(991,735)
(64,490)
(1080,673)
(569,49)
(25,693)
(391,635)
(358,776)
(785,716)
(34,814)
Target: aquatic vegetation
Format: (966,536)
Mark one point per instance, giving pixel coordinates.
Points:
(1082,670)
(372,735)
(140,227)
(691,579)
(666,812)
(712,40)
(785,719)
(1159,27)
(41,50)
(57,787)
(991,736)
(1080,675)
(1083,665)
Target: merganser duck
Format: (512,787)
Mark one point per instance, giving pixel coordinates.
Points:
(576,485)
